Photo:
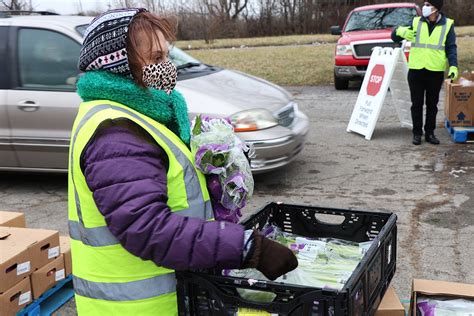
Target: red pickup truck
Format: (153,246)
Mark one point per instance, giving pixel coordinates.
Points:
(365,28)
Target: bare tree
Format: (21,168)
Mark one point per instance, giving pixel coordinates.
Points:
(154,6)
(123,3)
(288,12)
(225,9)
(213,19)
(17,5)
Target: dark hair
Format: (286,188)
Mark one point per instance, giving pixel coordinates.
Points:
(146,23)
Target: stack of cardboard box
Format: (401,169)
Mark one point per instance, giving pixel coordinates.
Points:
(31,262)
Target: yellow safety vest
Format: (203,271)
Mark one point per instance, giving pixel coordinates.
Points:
(108,280)
(428,51)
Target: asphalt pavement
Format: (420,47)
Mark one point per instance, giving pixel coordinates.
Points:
(430,188)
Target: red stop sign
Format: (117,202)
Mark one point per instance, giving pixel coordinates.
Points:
(375,80)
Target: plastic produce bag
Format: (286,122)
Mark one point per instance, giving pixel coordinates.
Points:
(466,83)
(252,295)
(218,151)
(431,306)
(323,263)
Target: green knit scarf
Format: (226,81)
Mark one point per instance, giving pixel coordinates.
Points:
(169,110)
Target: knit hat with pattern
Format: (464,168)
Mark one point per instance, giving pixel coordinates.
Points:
(104,44)
(438,4)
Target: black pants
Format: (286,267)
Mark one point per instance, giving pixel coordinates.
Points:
(421,82)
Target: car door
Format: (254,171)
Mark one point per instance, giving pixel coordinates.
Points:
(44,104)
(7,154)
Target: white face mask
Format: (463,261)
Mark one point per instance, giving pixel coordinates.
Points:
(426,11)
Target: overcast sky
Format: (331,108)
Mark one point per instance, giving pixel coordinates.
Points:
(70,6)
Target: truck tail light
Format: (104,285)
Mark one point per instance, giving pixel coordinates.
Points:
(343,50)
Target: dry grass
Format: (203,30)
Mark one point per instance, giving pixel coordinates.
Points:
(259,41)
(298,65)
(286,65)
(464,31)
(281,40)
(466,53)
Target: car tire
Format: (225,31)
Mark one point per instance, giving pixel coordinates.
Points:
(340,84)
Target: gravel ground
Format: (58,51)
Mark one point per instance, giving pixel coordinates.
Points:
(430,188)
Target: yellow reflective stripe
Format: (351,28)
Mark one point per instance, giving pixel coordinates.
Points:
(441,39)
(101,236)
(95,236)
(156,306)
(431,46)
(128,291)
(111,264)
(83,121)
(418,32)
(443,35)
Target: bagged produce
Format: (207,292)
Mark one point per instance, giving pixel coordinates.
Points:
(323,263)
(220,153)
(431,306)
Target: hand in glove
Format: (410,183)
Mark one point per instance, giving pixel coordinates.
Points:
(270,257)
(406,33)
(453,73)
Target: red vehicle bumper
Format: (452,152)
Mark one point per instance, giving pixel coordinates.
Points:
(348,67)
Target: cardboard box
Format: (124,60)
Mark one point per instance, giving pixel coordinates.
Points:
(65,245)
(15,263)
(12,219)
(15,298)
(459,102)
(390,304)
(25,250)
(46,277)
(439,288)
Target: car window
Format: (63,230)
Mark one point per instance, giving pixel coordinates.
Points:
(81,29)
(3,53)
(380,19)
(180,58)
(47,59)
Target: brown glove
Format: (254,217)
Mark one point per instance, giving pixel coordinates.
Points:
(269,257)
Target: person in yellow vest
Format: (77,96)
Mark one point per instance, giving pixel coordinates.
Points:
(138,207)
(433,47)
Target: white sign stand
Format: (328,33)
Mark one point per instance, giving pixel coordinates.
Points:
(400,90)
(383,64)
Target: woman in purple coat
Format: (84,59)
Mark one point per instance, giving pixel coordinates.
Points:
(128,168)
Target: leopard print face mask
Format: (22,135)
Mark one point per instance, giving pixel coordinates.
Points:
(161,76)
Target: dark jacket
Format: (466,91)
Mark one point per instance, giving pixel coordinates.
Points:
(126,170)
(450,47)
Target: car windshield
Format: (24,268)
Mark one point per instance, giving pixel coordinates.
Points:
(183,60)
(380,19)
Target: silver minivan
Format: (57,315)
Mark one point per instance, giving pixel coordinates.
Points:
(38,102)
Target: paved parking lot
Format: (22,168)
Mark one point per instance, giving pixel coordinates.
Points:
(430,188)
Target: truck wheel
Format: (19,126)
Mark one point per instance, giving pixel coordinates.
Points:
(340,84)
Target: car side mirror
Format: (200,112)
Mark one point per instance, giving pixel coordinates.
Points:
(336,30)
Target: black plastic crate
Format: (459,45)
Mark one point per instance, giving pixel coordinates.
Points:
(211,294)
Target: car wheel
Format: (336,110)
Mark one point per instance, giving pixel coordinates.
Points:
(340,84)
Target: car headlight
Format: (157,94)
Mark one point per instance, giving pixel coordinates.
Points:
(343,50)
(253,120)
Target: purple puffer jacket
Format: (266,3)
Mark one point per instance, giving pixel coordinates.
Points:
(126,172)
